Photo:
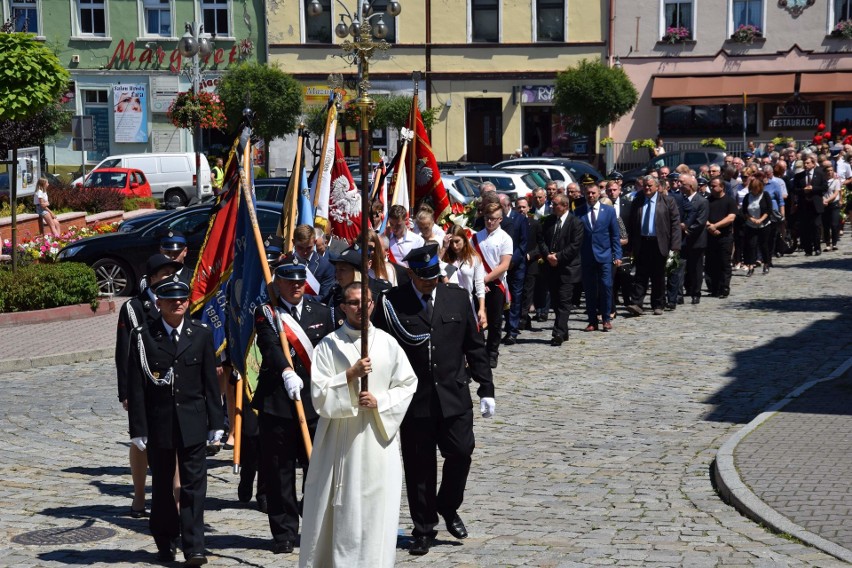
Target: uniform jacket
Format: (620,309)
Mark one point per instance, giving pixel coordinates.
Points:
(695,236)
(180,414)
(376,285)
(601,243)
(323,271)
(440,360)
(567,247)
(810,202)
(144,312)
(270,396)
(666,219)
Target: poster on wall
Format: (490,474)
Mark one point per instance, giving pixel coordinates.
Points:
(164,89)
(131,113)
(101,130)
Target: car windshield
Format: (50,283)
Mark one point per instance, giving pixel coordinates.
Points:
(106,179)
(467,187)
(530,181)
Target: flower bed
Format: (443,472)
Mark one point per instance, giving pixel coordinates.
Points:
(44,248)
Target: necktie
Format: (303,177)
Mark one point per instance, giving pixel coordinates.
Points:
(295,313)
(593,217)
(428,299)
(555,241)
(809,178)
(646,221)
(175,336)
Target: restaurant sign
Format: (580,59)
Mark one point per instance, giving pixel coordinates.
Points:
(793,115)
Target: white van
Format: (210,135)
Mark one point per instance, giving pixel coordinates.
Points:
(171,175)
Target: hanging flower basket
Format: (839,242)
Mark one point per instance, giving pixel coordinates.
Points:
(204,109)
(675,35)
(746,34)
(714,143)
(842,30)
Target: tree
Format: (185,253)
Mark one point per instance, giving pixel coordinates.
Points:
(31,76)
(393,111)
(34,130)
(594,95)
(274,96)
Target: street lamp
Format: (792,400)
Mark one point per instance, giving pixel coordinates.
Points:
(366,39)
(195,44)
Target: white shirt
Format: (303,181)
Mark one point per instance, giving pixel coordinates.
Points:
(844,170)
(493,246)
(290,307)
(169,328)
(437,233)
(597,210)
(399,248)
(38,196)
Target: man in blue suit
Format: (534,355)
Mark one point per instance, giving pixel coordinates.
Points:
(601,251)
(320,270)
(517,227)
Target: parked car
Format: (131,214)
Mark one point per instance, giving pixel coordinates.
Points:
(119,258)
(460,189)
(171,175)
(692,158)
(131,183)
(515,184)
(560,169)
(271,189)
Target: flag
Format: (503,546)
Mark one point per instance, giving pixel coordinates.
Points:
(382,193)
(427,176)
(215,259)
(305,204)
(344,202)
(289,212)
(321,188)
(399,195)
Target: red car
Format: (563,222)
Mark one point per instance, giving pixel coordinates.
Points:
(131,183)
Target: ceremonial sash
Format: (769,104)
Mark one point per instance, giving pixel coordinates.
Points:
(488,269)
(391,257)
(296,336)
(312,285)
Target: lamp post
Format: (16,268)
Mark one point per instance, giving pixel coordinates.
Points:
(366,39)
(195,44)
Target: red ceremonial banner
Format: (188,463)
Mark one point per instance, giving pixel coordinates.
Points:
(427,176)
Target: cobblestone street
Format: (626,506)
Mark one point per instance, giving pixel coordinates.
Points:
(600,452)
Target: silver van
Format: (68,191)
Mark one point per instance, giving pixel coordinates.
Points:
(171,175)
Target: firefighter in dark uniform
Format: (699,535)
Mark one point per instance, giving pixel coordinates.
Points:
(436,327)
(139,311)
(173,245)
(305,322)
(347,269)
(175,410)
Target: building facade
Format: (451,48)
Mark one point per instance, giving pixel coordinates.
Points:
(734,68)
(488,65)
(125,66)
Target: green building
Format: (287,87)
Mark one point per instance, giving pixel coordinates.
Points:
(126,68)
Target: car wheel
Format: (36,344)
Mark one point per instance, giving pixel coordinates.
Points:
(175,198)
(114,277)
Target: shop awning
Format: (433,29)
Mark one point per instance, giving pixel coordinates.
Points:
(722,89)
(826,86)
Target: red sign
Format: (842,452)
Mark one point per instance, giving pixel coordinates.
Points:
(125,53)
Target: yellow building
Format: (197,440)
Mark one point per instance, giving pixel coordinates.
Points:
(488,65)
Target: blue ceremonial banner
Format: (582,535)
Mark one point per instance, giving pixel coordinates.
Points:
(306,206)
(247,289)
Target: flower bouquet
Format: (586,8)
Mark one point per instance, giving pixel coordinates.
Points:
(675,35)
(673,262)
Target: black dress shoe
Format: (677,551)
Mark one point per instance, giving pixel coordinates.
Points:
(195,559)
(282,547)
(556,341)
(670,306)
(696,299)
(261,503)
(492,361)
(510,339)
(245,488)
(167,554)
(680,300)
(421,545)
(455,526)
(138,513)
(541,317)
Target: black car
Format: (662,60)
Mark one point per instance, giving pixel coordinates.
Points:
(119,258)
(271,189)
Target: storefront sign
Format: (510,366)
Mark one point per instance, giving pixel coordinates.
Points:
(101,116)
(537,94)
(317,95)
(164,89)
(131,113)
(793,116)
(125,54)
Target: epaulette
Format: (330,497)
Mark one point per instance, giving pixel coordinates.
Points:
(454,285)
(139,328)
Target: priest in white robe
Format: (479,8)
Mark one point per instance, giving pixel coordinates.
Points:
(354,485)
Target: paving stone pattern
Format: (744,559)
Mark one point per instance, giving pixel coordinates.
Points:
(600,452)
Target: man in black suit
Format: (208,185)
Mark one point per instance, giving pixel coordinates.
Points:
(139,311)
(175,410)
(810,185)
(320,272)
(621,281)
(694,237)
(437,329)
(305,322)
(674,284)
(654,231)
(562,239)
(532,292)
(516,226)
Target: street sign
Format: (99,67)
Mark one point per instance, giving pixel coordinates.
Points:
(82,132)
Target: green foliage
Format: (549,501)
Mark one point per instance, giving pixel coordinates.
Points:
(134,203)
(274,96)
(41,286)
(40,128)
(314,120)
(393,111)
(31,76)
(714,143)
(594,95)
(640,143)
(607,142)
(782,140)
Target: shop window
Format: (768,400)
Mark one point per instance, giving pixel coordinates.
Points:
(157,17)
(91,16)
(841,116)
(381,6)
(485,21)
(747,13)
(318,28)
(684,120)
(216,17)
(550,20)
(25,15)
(678,14)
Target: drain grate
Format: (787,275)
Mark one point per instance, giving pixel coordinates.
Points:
(64,535)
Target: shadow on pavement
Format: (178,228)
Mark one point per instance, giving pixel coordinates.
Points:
(790,360)
(112,514)
(98,556)
(99,471)
(827,260)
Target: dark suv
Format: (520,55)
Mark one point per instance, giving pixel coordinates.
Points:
(692,158)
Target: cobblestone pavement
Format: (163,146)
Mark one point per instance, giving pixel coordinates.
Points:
(600,453)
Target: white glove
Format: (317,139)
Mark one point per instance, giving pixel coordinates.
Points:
(141,442)
(293,384)
(213,436)
(487,407)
